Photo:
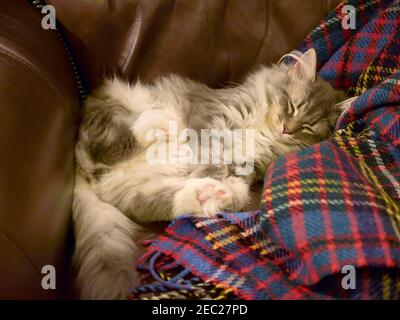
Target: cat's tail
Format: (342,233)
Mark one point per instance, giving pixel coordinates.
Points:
(106,246)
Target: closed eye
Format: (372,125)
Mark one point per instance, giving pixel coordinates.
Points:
(307,129)
(291,108)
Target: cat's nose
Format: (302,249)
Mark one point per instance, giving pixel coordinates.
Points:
(286,130)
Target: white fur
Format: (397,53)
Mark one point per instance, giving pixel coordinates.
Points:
(105,246)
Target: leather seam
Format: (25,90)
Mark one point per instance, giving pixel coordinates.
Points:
(132,44)
(40,75)
(19,249)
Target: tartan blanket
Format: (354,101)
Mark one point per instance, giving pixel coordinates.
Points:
(332,205)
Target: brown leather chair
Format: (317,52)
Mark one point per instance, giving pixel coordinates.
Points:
(213,41)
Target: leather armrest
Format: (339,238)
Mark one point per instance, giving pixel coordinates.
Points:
(39,110)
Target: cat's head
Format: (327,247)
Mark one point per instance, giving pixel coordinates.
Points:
(308,105)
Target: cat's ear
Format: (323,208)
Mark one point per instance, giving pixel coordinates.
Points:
(343,106)
(306,66)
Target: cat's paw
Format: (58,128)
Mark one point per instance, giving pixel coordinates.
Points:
(108,284)
(203,198)
(213,197)
(240,190)
(107,262)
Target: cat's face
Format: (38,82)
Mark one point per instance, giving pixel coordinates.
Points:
(309,106)
(309,112)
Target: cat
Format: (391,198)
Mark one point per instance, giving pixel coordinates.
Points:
(287,106)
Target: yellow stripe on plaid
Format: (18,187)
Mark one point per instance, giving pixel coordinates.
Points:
(293,184)
(387,288)
(371,73)
(293,191)
(397,293)
(333,202)
(220,233)
(386,281)
(225,242)
(391,207)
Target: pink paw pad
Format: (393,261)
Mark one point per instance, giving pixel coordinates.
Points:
(208,192)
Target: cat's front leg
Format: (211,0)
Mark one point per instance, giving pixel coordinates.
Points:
(206,197)
(164,197)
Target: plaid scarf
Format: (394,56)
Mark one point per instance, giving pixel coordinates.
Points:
(332,205)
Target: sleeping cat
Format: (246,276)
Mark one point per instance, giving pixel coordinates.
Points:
(286,105)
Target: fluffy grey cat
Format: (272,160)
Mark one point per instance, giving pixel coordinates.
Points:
(286,106)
